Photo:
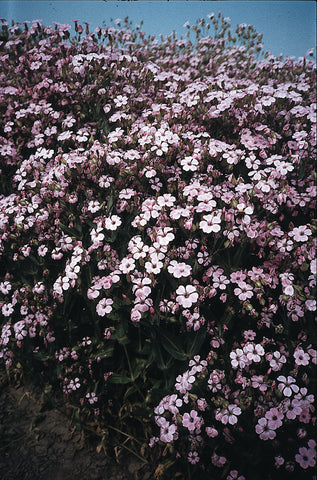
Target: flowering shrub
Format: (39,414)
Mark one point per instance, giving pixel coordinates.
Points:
(157,216)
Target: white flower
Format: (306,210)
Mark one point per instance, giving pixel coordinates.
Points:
(210,223)
(113,222)
(186,296)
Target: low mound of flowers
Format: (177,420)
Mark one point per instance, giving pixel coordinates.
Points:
(157,241)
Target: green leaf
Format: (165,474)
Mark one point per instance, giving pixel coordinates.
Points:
(34,260)
(67,230)
(110,203)
(138,411)
(130,391)
(41,356)
(119,379)
(157,357)
(138,367)
(123,340)
(113,236)
(105,352)
(121,335)
(98,108)
(172,347)
(197,343)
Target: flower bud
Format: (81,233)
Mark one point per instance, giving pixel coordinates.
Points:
(279,328)
(248,306)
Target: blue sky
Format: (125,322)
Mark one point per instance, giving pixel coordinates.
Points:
(288,27)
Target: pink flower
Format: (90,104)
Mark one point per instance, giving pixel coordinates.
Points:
(186,296)
(57,254)
(310,305)
(286,280)
(301,233)
(253,352)
(287,386)
(93,206)
(142,293)
(64,135)
(217,460)
(237,277)
(258,382)
(7,309)
(107,333)
(214,380)
(113,137)
(153,441)
(264,430)
(313,266)
(275,418)
(165,236)
(19,330)
(202,404)
(25,250)
(190,164)
(113,222)
(238,358)
(292,408)
(135,315)
(104,306)
(42,250)
(86,341)
(5,287)
(221,282)
(228,415)
(107,108)
(313,353)
(211,432)
(249,335)
(173,403)
(154,265)
(233,475)
(211,223)
(193,457)
(301,358)
(279,461)
(39,287)
(179,270)
(127,265)
(168,431)
(92,398)
(306,457)
(304,416)
(192,421)
(244,291)
(121,100)
(184,382)
(276,360)
(93,292)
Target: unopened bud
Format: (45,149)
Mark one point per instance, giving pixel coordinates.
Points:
(279,328)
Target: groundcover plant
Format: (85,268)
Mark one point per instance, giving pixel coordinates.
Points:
(157,222)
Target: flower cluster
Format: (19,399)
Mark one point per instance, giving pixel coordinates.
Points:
(157,213)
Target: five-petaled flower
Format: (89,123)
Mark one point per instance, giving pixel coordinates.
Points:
(287,385)
(186,296)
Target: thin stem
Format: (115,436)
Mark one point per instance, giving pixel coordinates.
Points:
(131,372)
(135,454)
(129,364)
(125,434)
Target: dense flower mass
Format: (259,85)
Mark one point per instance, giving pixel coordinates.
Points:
(157,238)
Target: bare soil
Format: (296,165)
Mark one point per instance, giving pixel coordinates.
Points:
(39,443)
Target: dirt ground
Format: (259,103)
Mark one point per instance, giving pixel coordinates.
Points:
(41,444)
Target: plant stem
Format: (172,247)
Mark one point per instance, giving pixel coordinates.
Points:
(129,364)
